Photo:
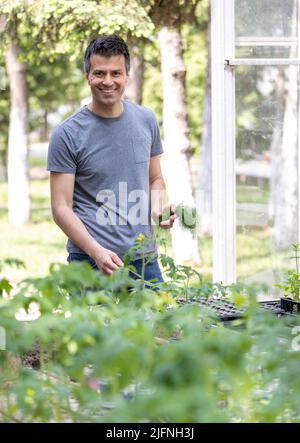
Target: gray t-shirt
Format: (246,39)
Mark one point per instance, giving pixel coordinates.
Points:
(110,158)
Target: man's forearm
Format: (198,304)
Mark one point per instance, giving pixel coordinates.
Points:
(159,203)
(75,230)
(158,195)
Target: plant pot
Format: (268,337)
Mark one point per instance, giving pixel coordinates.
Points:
(289,305)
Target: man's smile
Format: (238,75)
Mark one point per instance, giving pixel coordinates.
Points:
(107,90)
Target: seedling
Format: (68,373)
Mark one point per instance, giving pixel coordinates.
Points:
(291,285)
(186,215)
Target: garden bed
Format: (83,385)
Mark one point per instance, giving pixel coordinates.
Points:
(225,310)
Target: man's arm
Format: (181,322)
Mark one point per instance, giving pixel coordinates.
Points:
(62,189)
(158,193)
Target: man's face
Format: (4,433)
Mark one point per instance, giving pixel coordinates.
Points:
(107,79)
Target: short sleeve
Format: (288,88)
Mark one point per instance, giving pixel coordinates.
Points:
(61,157)
(156,147)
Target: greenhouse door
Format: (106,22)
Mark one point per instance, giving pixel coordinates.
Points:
(255,142)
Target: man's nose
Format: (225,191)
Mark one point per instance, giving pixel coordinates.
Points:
(107,80)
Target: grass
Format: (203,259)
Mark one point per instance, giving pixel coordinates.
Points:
(37,243)
(39,192)
(251,194)
(37,162)
(41,242)
(256,253)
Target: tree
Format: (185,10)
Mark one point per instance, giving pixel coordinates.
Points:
(134,88)
(52,85)
(17,163)
(169,16)
(287,183)
(4,117)
(53,27)
(204,185)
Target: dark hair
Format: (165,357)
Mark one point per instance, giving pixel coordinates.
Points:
(106,45)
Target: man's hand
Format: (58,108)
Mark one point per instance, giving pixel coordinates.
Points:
(107,261)
(167,223)
(161,212)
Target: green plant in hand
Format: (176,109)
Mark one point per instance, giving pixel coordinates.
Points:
(186,215)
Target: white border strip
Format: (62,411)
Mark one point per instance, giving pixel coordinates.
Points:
(262,61)
(266,41)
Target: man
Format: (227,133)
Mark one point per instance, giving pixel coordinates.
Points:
(106,179)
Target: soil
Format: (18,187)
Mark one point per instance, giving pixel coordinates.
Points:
(32,359)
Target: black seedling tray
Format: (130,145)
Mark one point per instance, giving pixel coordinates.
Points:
(227,311)
(224,309)
(290,305)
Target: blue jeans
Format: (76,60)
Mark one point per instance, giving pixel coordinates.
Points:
(152,270)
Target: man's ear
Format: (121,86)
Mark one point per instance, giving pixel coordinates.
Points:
(87,78)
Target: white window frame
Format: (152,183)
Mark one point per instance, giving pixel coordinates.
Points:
(224,131)
(223,142)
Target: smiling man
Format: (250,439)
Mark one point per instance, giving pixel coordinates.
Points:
(106,180)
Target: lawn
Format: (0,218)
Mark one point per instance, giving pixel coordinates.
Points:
(39,242)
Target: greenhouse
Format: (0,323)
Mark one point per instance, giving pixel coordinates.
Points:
(255,112)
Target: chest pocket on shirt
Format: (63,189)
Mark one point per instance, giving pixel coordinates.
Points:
(142,149)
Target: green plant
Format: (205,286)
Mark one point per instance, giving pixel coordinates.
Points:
(157,361)
(5,285)
(186,215)
(291,286)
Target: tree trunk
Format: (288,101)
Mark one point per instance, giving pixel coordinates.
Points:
(204,190)
(134,88)
(44,135)
(275,147)
(17,164)
(286,213)
(176,139)
(285,185)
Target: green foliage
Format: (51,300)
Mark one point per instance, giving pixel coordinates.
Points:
(172,13)
(53,85)
(11,262)
(195,47)
(5,285)
(152,85)
(4,117)
(53,34)
(58,27)
(291,285)
(194,36)
(187,217)
(157,362)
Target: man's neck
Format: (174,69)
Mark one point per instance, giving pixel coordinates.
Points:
(107,112)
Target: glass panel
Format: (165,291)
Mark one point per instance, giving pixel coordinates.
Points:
(262,52)
(265,18)
(267,170)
